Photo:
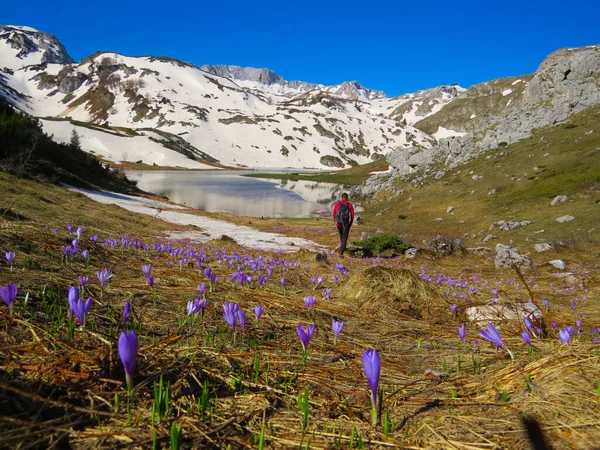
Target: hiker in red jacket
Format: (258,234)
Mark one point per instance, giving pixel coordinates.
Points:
(343,215)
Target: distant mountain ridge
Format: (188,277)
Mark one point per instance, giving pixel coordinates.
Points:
(158,110)
(253,78)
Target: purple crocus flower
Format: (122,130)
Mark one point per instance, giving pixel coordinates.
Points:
(103,276)
(84,280)
(454,308)
(528,324)
(337,328)
(80,308)
(73,294)
(578,323)
(310,302)
(305,334)
(526,337)
(85,254)
(202,303)
(282,281)
(462,332)
(79,231)
(372,366)
(9,294)
(128,350)
(492,335)
(70,228)
(147,269)
(150,280)
(230,314)
(126,311)
(10,257)
(94,238)
(242,318)
(192,307)
(258,310)
(546,303)
(202,288)
(564,336)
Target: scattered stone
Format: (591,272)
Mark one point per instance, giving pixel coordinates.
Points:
(543,247)
(566,218)
(482,315)
(492,192)
(543,139)
(438,219)
(364,236)
(558,199)
(560,265)
(539,231)
(589,132)
(450,209)
(569,277)
(473,192)
(510,225)
(444,245)
(411,253)
(489,237)
(507,257)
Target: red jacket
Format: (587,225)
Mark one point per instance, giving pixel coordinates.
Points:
(337,206)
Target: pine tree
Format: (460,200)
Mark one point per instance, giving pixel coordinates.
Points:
(75,141)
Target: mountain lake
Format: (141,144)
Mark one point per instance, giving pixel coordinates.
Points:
(230,192)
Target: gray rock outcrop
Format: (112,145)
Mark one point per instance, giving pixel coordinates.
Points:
(508,258)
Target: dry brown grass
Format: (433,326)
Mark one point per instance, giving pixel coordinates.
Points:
(60,393)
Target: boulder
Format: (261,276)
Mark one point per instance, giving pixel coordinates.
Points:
(507,258)
(566,218)
(544,247)
(557,263)
(559,199)
(482,315)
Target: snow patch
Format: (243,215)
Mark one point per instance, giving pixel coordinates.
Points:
(212,228)
(505,92)
(444,133)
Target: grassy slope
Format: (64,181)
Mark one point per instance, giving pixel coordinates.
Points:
(567,162)
(64,391)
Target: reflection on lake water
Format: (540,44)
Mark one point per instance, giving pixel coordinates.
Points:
(227,191)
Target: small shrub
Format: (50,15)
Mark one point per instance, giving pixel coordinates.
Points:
(384,241)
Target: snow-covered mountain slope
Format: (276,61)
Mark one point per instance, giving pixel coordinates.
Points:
(412,108)
(226,115)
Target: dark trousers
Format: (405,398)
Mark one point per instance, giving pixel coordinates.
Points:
(344,231)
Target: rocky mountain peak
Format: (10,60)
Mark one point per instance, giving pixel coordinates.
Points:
(263,76)
(33,46)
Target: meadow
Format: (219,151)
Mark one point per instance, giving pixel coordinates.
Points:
(114,336)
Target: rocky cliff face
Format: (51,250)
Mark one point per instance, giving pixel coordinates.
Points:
(260,78)
(32,46)
(501,112)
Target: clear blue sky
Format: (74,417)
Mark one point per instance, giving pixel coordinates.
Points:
(394,46)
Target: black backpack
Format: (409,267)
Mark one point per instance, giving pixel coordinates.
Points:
(342,216)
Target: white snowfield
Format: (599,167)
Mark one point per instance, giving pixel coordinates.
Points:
(211,228)
(121,148)
(238,123)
